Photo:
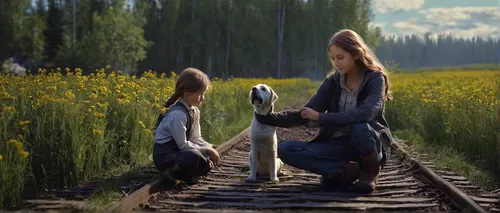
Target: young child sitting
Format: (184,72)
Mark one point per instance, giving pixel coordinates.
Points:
(179,150)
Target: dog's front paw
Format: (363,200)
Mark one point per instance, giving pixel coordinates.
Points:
(274,180)
(251,179)
(282,173)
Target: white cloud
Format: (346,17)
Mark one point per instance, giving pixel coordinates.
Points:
(386,6)
(379,24)
(465,22)
(479,29)
(459,15)
(411,27)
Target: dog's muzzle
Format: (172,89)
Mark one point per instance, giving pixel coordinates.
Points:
(256,97)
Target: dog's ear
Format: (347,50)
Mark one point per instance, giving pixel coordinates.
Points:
(250,96)
(274,96)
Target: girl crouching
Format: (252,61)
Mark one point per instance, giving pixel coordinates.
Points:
(179,150)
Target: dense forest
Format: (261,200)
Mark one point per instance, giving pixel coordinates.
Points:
(257,38)
(412,51)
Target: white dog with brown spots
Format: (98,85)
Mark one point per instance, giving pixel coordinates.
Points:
(263,156)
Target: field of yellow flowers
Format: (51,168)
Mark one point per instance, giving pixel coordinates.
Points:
(455,109)
(60,128)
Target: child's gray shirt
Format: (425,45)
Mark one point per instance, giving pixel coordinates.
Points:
(174,126)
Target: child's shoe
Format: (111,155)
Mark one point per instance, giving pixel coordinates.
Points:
(168,177)
(194,180)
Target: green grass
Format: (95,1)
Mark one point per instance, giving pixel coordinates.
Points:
(446,157)
(110,191)
(470,67)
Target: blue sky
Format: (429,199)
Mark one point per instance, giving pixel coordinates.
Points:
(460,18)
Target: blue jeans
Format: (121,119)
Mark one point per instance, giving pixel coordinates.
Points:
(326,157)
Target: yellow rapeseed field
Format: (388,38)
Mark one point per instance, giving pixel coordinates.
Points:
(456,109)
(60,127)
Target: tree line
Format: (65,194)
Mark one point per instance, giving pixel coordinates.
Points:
(257,38)
(412,51)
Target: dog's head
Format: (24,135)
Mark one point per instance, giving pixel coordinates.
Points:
(262,97)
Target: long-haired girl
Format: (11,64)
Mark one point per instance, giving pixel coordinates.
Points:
(349,108)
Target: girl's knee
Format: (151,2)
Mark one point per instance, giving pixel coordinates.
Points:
(358,129)
(191,159)
(282,149)
(289,150)
(285,147)
(364,138)
(361,133)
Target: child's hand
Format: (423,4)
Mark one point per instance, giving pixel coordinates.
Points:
(211,164)
(214,155)
(309,113)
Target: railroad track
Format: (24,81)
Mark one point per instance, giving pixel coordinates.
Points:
(76,198)
(405,184)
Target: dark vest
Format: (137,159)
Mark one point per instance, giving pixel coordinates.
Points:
(179,106)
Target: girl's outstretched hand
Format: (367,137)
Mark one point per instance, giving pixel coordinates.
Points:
(309,113)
